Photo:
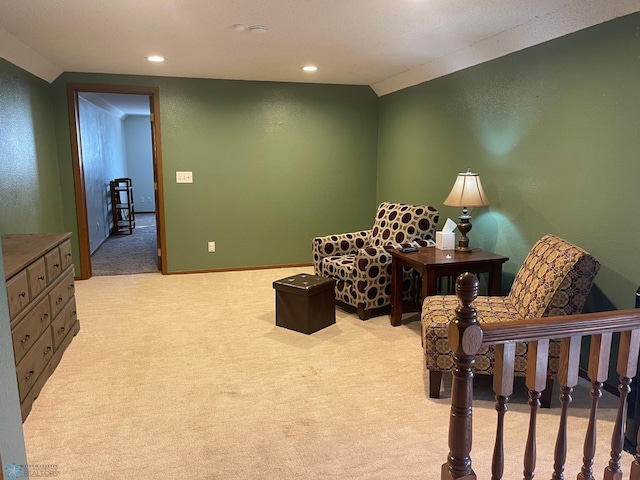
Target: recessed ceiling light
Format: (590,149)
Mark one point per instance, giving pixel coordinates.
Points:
(310,68)
(155,58)
(238,27)
(258,29)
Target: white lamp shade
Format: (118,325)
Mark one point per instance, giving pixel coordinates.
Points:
(467,192)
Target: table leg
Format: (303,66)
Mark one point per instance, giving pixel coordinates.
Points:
(396,293)
(495,280)
(428,283)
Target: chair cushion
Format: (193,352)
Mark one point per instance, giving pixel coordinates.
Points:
(439,310)
(339,267)
(398,223)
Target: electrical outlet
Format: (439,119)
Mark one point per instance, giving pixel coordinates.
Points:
(184,177)
(211,246)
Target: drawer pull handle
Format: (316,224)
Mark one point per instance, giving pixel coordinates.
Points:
(29,375)
(22,294)
(25,339)
(46,350)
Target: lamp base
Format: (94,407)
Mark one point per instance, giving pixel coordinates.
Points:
(464,226)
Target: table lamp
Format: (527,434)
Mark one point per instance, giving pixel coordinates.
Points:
(466,192)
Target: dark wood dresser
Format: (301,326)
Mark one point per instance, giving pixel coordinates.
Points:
(38,270)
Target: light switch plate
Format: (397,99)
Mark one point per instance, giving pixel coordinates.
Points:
(184,177)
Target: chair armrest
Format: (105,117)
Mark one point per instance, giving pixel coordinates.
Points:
(418,242)
(339,244)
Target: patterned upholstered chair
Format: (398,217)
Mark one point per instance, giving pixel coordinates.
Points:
(554,279)
(360,263)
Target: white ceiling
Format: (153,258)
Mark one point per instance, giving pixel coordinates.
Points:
(387,44)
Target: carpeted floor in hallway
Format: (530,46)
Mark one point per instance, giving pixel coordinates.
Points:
(129,254)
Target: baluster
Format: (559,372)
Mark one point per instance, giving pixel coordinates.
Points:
(635,465)
(568,379)
(598,372)
(530,449)
(503,387)
(536,380)
(465,339)
(627,365)
(613,470)
(560,452)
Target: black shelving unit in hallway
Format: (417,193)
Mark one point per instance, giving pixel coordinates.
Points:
(122,210)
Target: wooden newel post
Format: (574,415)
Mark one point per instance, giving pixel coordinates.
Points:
(465,339)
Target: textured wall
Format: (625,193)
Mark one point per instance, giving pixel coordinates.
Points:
(553,132)
(137,139)
(273,164)
(30,198)
(103,152)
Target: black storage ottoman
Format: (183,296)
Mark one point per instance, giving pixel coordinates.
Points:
(305,303)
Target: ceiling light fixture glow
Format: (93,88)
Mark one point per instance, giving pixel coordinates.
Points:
(310,68)
(155,58)
(238,27)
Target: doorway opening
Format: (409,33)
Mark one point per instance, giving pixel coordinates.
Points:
(116,134)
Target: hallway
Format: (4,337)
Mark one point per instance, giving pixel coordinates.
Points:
(129,254)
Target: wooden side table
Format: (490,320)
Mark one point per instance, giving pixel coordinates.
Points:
(432,263)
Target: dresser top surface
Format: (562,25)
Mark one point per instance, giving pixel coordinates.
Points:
(20,249)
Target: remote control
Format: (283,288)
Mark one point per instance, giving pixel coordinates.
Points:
(409,249)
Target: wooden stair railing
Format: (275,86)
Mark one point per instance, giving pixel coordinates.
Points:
(466,336)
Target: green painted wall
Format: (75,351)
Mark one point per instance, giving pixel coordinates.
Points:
(274,165)
(30,195)
(553,131)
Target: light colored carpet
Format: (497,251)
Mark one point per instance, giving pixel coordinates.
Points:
(187,377)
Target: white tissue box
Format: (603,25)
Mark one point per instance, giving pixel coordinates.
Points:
(445,241)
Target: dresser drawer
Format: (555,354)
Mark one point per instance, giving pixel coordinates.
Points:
(18,293)
(65,254)
(36,272)
(52,262)
(33,363)
(61,293)
(61,325)
(28,330)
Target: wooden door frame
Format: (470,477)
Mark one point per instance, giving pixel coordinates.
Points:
(73,89)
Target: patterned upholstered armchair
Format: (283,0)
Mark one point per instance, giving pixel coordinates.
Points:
(360,263)
(554,279)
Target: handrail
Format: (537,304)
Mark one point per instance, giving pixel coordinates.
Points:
(547,328)
(467,335)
